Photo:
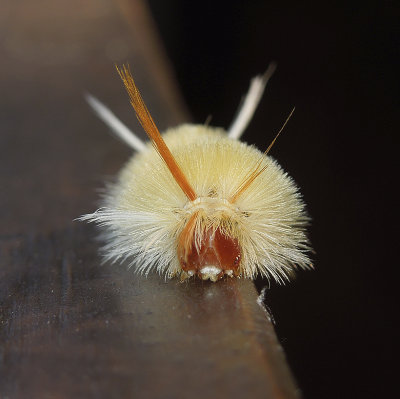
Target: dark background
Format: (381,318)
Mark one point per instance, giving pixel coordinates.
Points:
(338,64)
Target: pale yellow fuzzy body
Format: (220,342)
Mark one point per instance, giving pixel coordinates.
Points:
(145,211)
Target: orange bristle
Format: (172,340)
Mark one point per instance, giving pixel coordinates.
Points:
(145,119)
(257,171)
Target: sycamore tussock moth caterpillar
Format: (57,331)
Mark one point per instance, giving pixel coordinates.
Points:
(196,201)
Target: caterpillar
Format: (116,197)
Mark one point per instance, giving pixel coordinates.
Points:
(196,201)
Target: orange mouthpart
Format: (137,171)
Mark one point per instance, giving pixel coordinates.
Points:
(217,254)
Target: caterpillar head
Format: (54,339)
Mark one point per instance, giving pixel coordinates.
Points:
(208,246)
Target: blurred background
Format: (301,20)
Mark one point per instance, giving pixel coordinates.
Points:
(337,63)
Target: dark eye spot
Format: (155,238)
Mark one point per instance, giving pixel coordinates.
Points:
(212,192)
(246,214)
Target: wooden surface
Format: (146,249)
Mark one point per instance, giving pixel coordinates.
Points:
(69,327)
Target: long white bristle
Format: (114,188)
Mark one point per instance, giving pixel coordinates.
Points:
(250,103)
(120,130)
